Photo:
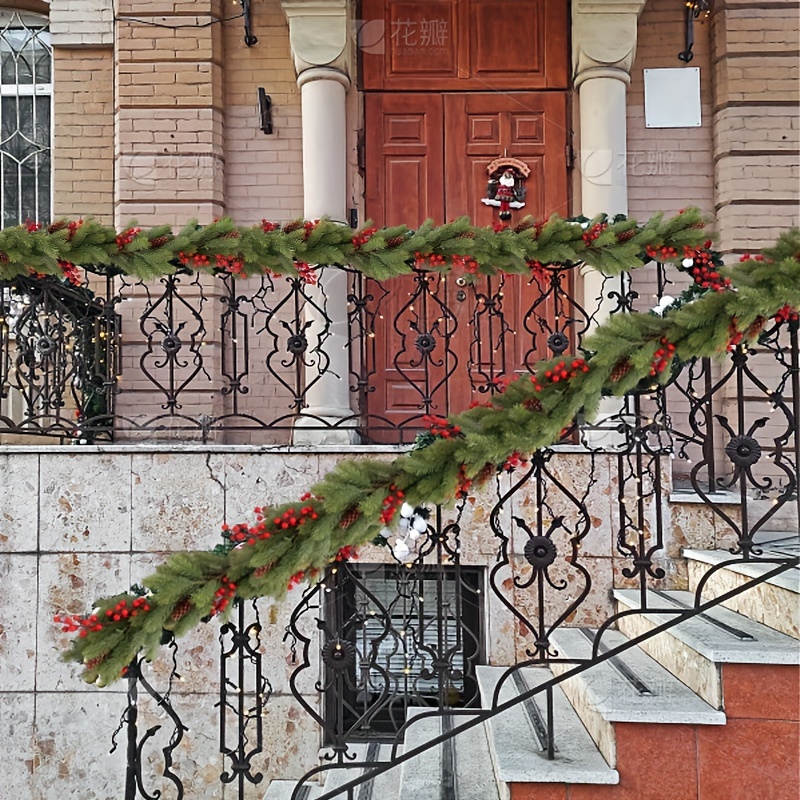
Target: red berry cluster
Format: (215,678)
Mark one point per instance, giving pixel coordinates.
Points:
(391,503)
(748,257)
(464,482)
(590,234)
(242,533)
(126,237)
(514,461)
(308,228)
(71,272)
(296,579)
(500,383)
(467,263)
(306,272)
(32,226)
(232,264)
(704,272)
(499,227)
(662,253)
(563,371)
(72,227)
(787,314)
(441,426)
(195,260)
(268,226)
(734,336)
(122,610)
(347,553)
(223,595)
(71,623)
(362,238)
(423,260)
(662,357)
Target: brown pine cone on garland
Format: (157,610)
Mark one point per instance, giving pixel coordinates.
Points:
(533,404)
(94,662)
(488,471)
(56,226)
(395,241)
(260,572)
(755,328)
(159,241)
(181,609)
(349,517)
(4,259)
(290,227)
(620,370)
(626,236)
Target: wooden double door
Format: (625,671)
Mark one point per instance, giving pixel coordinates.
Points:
(426,158)
(439,344)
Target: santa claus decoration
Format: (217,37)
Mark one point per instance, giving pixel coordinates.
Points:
(506,187)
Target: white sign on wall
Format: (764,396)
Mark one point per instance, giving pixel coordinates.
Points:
(672,98)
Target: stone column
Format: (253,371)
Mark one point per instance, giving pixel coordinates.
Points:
(318,36)
(603,48)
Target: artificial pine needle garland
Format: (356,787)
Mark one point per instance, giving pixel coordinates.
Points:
(609,245)
(724,309)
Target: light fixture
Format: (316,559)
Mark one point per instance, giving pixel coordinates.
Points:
(694,8)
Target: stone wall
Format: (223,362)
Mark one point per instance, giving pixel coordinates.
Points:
(80,522)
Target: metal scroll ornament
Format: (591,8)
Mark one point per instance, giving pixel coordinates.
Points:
(506,187)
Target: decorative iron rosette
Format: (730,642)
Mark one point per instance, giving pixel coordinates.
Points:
(426,343)
(743,451)
(540,552)
(558,342)
(339,654)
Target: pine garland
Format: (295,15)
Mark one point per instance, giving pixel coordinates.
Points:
(350,504)
(609,245)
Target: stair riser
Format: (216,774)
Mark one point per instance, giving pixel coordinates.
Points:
(766,603)
(687,665)
(601,731)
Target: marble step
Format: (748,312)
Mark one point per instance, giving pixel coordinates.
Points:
(694,649)
(385,786)
(460,767)
(518,739)
(774,603)
(630,687)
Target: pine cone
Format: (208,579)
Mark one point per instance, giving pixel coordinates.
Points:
(467,235)
(260,572)
(56,226)
(230,235)
(395,241)
(159,241)
(755,328)
(92,663)
(533,404)
(4,259)
(523,226)
(626,236)
(349,517)
(620,370)
(487,472)
(292,226)
(181,610)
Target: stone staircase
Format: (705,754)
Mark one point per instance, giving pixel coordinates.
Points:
(706,710)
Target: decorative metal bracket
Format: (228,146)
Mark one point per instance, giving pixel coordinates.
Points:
(265,110)
(249,37)
(694,8)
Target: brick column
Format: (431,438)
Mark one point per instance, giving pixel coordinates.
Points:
(169,112)
(169,169)
(756,122)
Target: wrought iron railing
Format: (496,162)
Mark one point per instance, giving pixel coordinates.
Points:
(369,642)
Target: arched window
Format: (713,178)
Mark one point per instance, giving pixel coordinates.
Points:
(26,95)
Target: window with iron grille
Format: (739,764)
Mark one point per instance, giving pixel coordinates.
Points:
(26,95)
(417,635)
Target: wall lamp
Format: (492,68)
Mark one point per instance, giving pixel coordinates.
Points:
(265,110)
(694,8)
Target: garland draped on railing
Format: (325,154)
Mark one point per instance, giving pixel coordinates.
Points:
(351,504)
(611,246)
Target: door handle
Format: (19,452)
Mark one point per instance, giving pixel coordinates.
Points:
(461,295)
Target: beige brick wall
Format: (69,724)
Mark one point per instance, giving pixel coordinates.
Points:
(757,121)
(81,23)
(263,173)
(83,140)
(669,169)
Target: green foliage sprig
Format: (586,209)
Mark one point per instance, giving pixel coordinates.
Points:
(609,245)
(348,506)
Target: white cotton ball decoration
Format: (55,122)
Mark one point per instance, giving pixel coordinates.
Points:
(688,262)
(401,550)
(419,524)
(386,533)
(414,535)
(403,524)
(406,510)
